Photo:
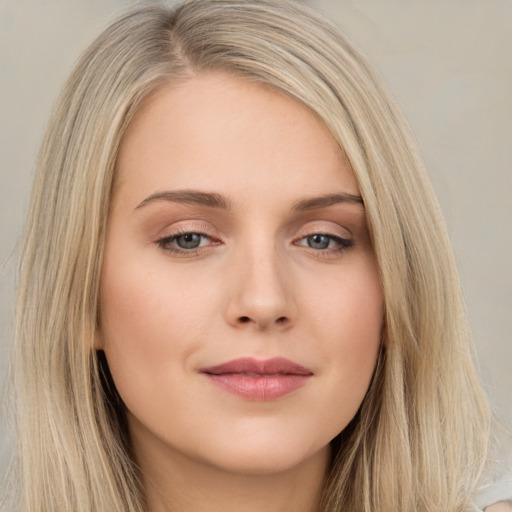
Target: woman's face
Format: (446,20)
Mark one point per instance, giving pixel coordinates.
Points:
(241,309)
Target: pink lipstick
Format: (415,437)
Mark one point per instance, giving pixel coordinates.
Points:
(258,380)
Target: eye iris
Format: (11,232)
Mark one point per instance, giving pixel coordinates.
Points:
(318,241)
(189,241)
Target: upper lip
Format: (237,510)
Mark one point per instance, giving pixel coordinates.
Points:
(249,365)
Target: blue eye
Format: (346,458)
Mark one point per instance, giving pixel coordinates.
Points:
(188,241)
(322,242)
(318,241)
(184,242)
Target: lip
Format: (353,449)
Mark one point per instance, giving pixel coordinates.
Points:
(258,380)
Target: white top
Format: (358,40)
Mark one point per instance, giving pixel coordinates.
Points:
(493,493)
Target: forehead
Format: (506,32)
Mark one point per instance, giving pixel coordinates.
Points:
(229,135)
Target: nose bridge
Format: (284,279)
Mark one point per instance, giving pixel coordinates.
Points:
(261,294)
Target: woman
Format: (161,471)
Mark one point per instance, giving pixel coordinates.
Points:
(236,288)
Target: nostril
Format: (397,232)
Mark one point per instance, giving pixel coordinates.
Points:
(246,319)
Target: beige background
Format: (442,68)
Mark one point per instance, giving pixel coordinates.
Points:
(449,64)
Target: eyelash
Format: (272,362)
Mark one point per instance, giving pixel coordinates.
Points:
(166,243)
(342,244)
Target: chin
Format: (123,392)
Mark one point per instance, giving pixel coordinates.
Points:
(259,458)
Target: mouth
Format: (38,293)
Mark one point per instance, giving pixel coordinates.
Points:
(258,380)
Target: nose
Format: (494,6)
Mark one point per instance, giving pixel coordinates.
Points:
(261,292)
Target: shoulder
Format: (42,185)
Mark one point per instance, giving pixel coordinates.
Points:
(502,506)
(496,497)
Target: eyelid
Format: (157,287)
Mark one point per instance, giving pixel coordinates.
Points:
(174,231)
(186,226)
(165,244)
(327,228)
(340,235)
(343,244)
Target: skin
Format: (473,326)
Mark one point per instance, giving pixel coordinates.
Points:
(255,287)
(500,507)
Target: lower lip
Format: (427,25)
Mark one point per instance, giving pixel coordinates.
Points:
(259,388)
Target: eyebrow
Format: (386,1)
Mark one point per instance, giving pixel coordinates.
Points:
(214,200)
(197,197)
(325,201)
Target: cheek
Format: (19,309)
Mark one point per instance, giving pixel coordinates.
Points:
(133,312)
(150,324)
(348,327)
(348,309)
(147,303)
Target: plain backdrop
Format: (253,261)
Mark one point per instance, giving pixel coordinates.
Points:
(449,65)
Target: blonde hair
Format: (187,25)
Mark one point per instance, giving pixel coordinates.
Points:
(419,440)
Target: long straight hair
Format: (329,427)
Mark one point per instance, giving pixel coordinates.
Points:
(419,440)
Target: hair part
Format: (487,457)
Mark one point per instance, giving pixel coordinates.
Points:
(419,440)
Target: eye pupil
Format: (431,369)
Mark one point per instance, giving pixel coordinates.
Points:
(318,241)
(189,241)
